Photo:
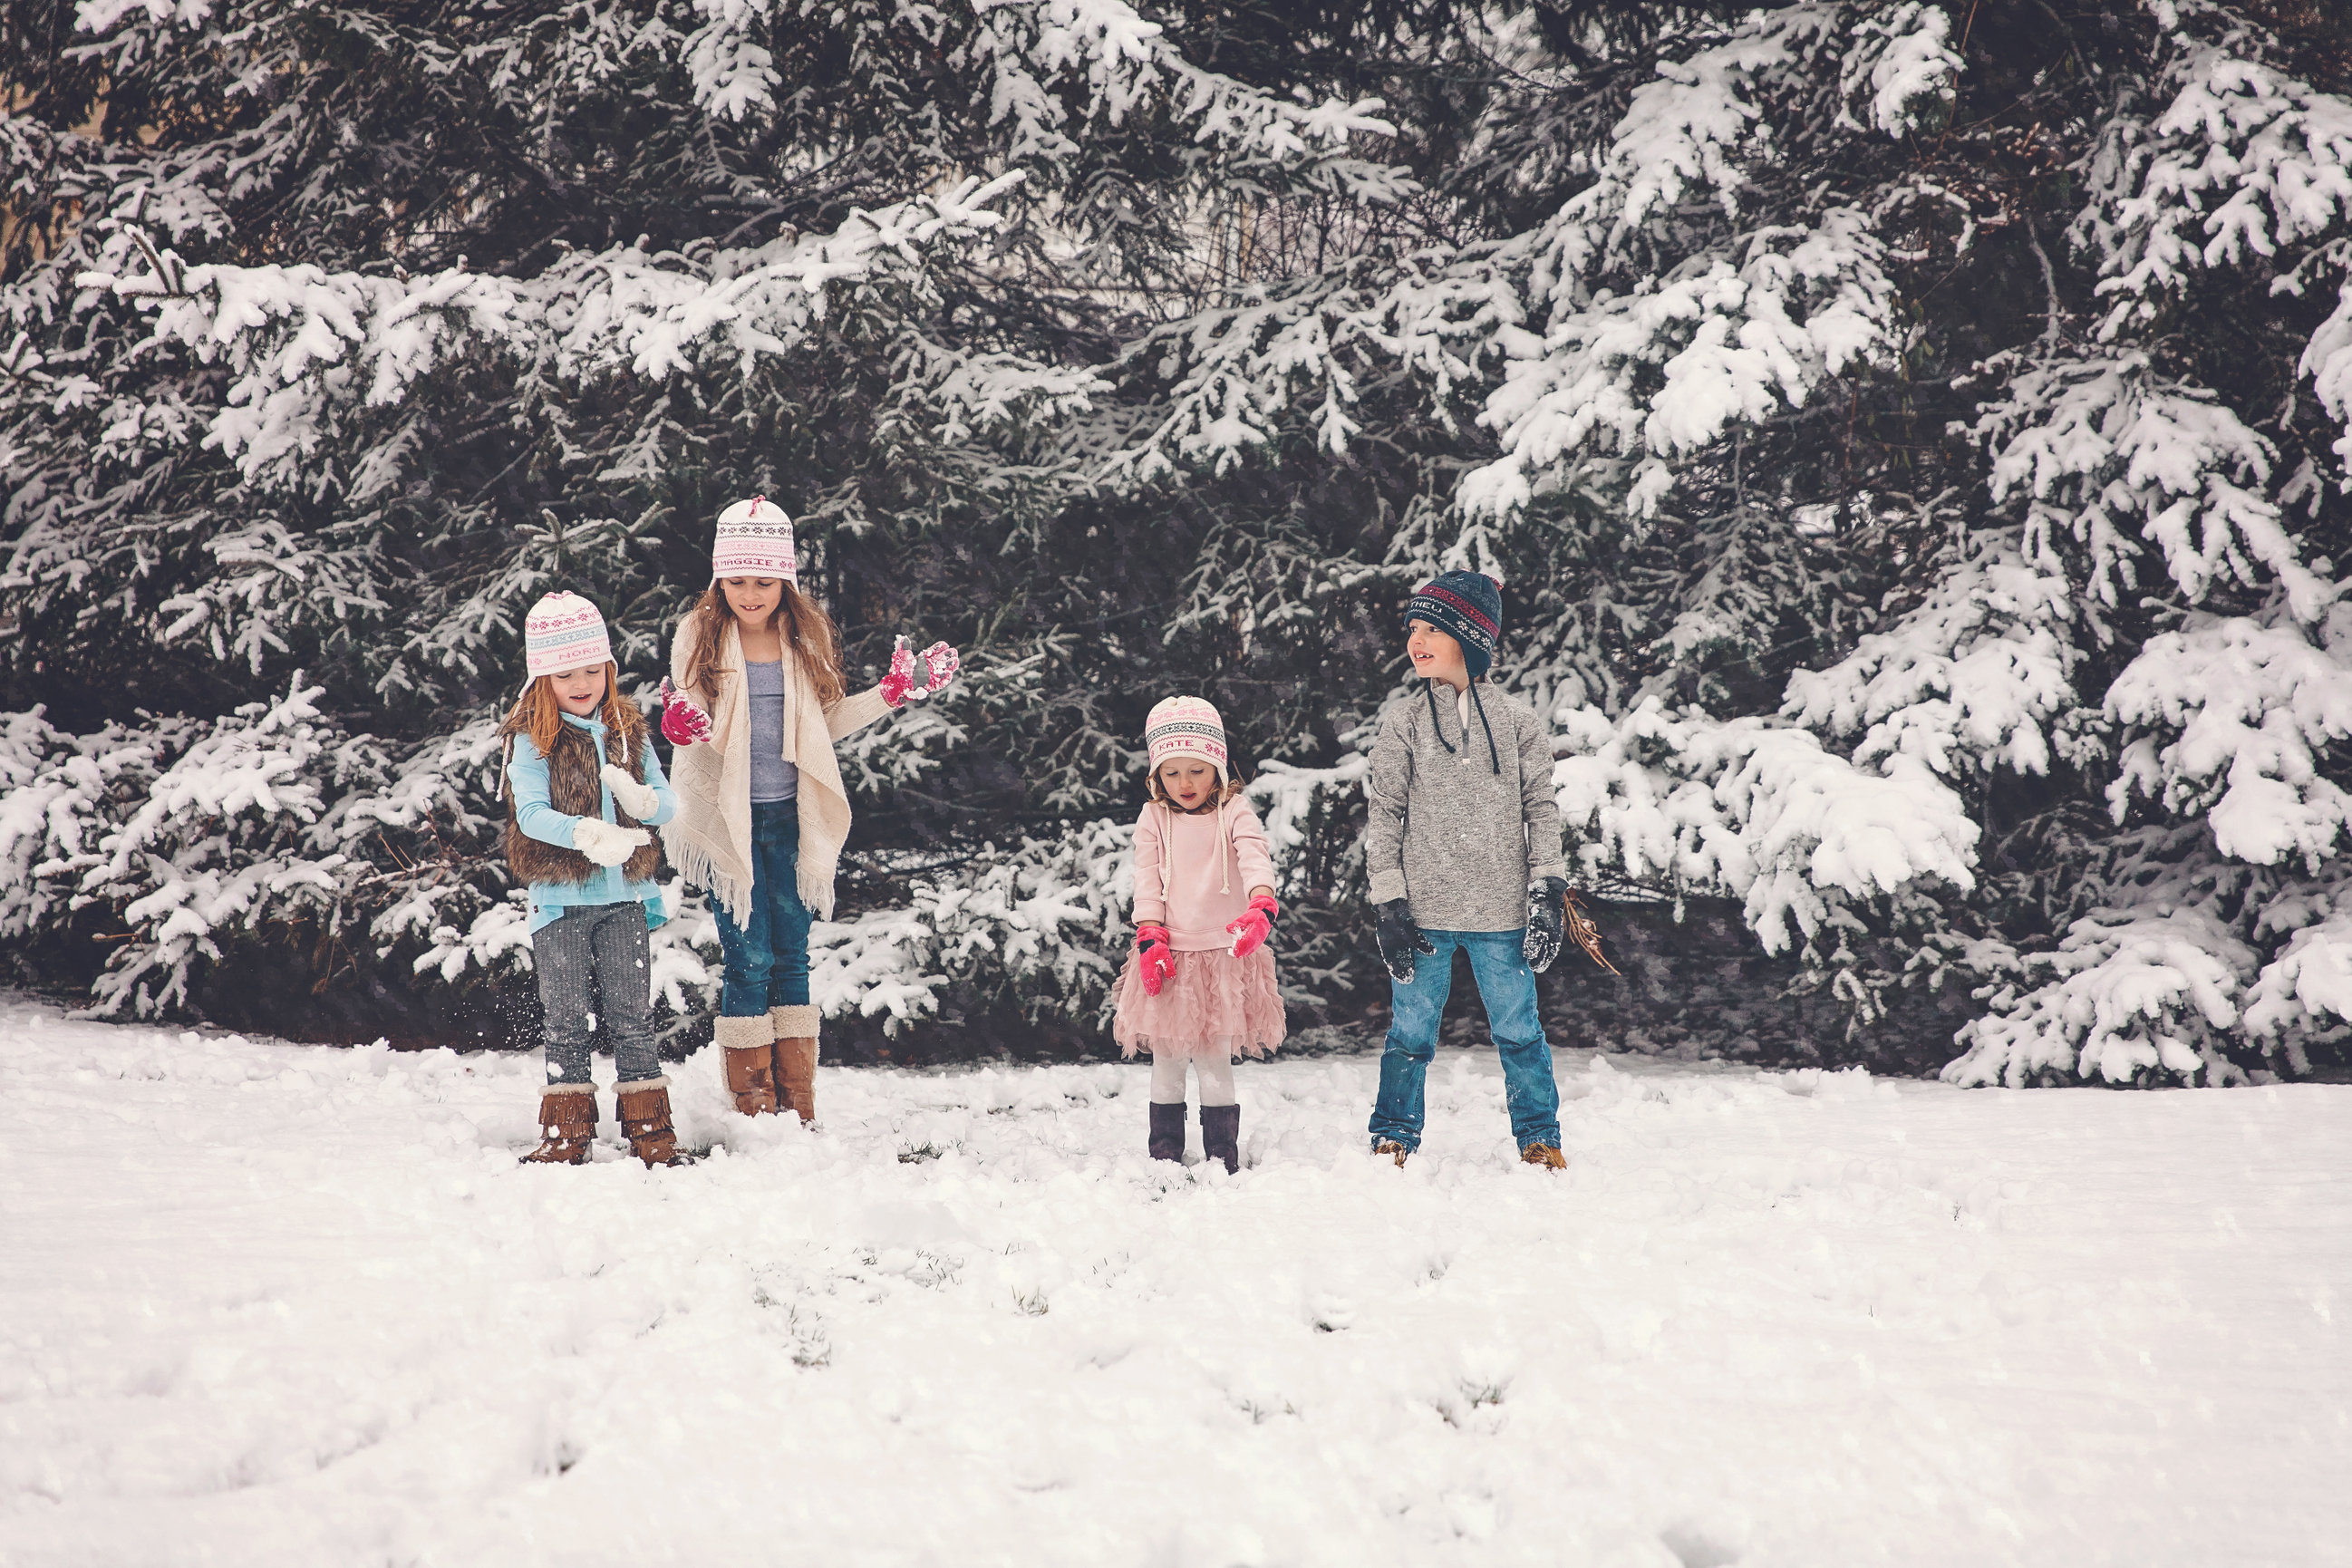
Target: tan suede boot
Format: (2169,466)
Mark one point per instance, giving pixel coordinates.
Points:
(567,1126)
(796,1035)
(645,1121)
(747,1047)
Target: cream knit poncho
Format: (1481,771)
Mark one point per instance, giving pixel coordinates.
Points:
(710,841)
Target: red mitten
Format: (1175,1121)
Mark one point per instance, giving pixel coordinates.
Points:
(941,663)
(900,681)
(682,723)
(1153,959)
(1249,932)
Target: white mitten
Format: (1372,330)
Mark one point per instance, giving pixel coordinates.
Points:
(607,844)
(637,799)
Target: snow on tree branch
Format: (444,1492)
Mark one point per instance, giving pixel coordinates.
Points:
(2243,162)
(102,15)
(2130,994)
(1046,920)
(298,340)
(1622,324)
(2101,445)
(1981,674)
(2328,361)
(1758,810)
(1046,69)
(1668,368)
(1906,61)
(2244,714)
(2306,992)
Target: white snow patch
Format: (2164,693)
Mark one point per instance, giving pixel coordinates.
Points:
(282,1304)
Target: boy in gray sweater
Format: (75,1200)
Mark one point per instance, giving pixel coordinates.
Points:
(1464,847)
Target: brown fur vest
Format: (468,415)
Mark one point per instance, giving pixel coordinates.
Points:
(574,788)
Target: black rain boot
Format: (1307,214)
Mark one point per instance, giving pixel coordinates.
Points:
(1168,1130)
(1221,1134)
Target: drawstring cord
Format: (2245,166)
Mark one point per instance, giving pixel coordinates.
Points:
(1167,854)
(1429,689)
(1493,755)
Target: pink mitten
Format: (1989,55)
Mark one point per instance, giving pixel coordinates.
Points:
(682,723)
(901,678)
(941,663)
(1249,932)
(1152,958)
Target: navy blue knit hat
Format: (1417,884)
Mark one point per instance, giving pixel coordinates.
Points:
(1467,606)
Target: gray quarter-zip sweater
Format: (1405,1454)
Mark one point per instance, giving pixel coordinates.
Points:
(1459,842)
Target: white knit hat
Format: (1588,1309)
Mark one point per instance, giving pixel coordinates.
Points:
(755,540)
(1186,727)
(563,632)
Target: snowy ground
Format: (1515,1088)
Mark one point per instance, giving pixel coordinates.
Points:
(274,1304)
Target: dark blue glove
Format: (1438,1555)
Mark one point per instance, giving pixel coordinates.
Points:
(1399,938)
(1547,904)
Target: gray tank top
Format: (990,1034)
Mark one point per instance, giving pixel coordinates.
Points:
(773,778)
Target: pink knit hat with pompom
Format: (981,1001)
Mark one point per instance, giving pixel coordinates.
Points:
(755,540)
(563,632)
(1187,727)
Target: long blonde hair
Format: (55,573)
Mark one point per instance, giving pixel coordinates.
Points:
(803,623)
(538,713)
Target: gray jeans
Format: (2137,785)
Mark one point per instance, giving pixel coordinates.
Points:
(592,953)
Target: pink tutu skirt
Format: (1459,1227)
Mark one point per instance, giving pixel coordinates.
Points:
(1212,1002)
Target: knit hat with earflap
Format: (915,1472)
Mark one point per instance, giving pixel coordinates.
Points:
(755,540)
(563,632)
(1186,727)
(1467,606)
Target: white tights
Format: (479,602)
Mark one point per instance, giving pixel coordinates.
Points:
(1216,1075)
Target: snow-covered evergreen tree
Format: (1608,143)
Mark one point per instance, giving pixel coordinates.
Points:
(1916,441)
(1928,523)
(337,337)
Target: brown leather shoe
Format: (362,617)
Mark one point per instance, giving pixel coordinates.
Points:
(748,1049)
(567,1126)
(1543,1155)
(645,1121)
(796,1036)
(1391,1146)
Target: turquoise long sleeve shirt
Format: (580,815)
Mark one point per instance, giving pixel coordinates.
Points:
(527,785)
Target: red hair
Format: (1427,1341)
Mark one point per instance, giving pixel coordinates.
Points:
(539,712)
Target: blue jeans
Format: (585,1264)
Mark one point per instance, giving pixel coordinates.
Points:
(1508,988)
(767,957)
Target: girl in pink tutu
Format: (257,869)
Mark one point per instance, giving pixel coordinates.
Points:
(1199,987)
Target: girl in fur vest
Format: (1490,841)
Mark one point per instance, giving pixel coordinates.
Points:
(754,704)
(583,784)
(1199,987)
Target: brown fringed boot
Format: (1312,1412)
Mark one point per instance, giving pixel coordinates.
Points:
(796,1035)
(645,1121)
(747,1047)
(567,1126)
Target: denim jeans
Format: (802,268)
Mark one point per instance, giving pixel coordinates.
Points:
(1508,988)
(767,957)
(596,956)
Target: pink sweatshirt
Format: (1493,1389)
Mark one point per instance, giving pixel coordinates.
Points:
(1194,873)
